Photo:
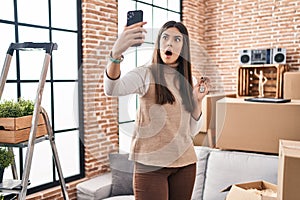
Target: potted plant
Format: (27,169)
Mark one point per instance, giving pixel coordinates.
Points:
(6,159)
(15,121)
(16,109)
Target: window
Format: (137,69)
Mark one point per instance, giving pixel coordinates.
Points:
(156,13)
(48,20)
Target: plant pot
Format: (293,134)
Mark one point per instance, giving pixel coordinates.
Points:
(16,130)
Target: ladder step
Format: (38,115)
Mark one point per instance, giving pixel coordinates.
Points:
(28,46)
(11,184)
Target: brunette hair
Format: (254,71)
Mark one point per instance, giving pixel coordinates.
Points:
(162,93)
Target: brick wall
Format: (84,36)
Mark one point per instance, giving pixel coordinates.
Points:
(55,193)
(194,18)
(218,29)
(230,25)
(100,112)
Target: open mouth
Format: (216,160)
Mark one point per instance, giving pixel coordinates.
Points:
(168,53)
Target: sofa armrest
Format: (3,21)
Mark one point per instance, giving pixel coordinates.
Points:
(95,188)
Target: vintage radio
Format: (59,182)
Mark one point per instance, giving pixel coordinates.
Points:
(262,56)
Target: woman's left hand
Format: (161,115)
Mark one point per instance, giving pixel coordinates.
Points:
(199,92)
(201,89)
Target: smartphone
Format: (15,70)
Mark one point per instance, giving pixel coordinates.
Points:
(133,17)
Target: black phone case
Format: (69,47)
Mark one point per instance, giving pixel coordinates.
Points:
(134,16)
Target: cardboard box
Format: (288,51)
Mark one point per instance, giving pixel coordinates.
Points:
(209,110)
(209,116)
(258,127)
(201,139)
(259,190)
(289,170)
(291,85)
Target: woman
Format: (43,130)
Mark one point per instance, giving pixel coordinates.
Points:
(168,115)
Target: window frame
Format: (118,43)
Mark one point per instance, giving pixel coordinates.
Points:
(18,81)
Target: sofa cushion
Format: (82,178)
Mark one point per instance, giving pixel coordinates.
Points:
(225,168)
(95,188)
(122,174)
(202,153)
(122,197)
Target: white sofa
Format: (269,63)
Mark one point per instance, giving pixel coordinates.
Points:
(216,170)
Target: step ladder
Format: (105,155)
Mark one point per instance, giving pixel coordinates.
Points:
(19,187)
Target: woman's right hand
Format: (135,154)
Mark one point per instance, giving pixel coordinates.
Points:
(134,34)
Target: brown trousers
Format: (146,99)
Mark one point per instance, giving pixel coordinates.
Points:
(153,183)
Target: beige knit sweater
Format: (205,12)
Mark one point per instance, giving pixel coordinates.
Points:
(163,133)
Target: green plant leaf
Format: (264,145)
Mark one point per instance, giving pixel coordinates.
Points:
(9,108)
(6,157)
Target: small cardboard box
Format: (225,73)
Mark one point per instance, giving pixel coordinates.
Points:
(291,85)
(209,110)
(209,117)
(201,139)
(258,127)
(289,170)
(258,190)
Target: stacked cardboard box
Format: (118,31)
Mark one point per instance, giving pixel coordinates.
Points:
(206,137)
(291,85)
(264,127)
(289,170)
(251,126)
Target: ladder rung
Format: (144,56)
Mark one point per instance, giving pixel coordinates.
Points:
(10,184)
(28,46)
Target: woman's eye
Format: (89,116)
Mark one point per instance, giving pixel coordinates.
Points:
(177,39)
(164,37)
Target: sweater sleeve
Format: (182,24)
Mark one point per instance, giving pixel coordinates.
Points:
(133,82)
(195,125)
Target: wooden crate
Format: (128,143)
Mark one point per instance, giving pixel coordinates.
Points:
(248,82)
(16,130)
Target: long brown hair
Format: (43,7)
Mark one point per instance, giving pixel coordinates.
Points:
(163,94)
